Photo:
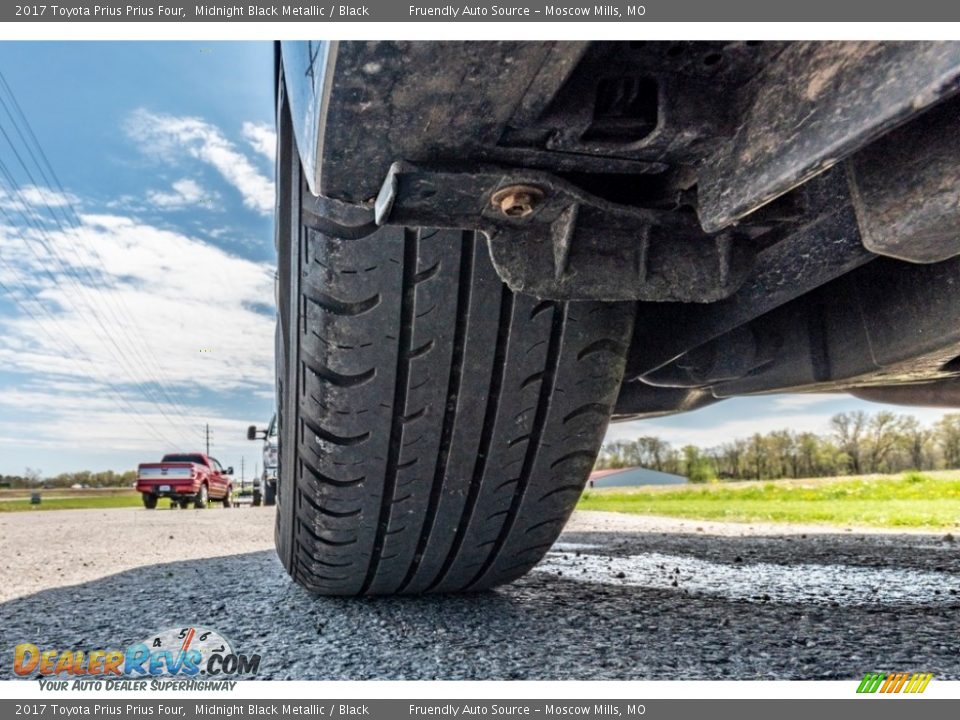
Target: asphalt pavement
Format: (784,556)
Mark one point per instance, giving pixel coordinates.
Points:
(617,598)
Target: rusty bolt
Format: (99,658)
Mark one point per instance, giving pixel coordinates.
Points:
(516,201)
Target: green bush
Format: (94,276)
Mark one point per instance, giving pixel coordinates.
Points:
(701,471)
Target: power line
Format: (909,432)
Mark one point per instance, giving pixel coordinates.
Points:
(75,221)
(77,351)
(50,246)
(81,290)
(158,434)
(129,360)
(75,216)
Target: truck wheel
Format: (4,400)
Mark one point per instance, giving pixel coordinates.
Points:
(257,499)
(228,498)
(200,501)
(270,494)
(184,504)
(436,429)
(149,501)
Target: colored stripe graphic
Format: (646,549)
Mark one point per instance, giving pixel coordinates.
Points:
(870,683)
(920,682)
(895,683)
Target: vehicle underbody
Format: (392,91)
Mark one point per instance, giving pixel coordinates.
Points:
(487,251)
(785,214)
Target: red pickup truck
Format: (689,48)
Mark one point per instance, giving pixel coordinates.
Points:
(185,478)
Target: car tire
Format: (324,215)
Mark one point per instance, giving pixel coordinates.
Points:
(149,501)
(202,498)
(228,498)
(256,499)
(270,496)
(184,504)
(436,429)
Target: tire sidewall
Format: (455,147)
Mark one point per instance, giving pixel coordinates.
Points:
(289,238)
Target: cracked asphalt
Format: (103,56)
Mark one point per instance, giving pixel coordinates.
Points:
(619,597)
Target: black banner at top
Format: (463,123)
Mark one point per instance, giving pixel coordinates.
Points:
(506,11)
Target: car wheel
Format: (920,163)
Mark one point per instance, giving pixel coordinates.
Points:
(228,498)
(436,429)
(184,504)
(202,497)
(256,499)
(149,500)
(270,496)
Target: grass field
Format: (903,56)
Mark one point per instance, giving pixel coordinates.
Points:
(928,500)
(67,499)
(911,500)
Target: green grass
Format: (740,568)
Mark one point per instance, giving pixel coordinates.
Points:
(130,498)
(911,500)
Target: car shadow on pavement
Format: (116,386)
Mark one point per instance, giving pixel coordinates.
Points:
(600,606)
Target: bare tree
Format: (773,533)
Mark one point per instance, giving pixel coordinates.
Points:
(883,433)
(858,442)
(652,451)
(948,435)
(848,428)
(916,442)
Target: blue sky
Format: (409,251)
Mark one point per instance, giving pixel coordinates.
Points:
(162,284)
(148,277)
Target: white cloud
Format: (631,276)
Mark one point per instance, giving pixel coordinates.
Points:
(86,417)
(31,199)
(802,400)
(167,136)
(183,193)
(156,305)
(262,138)
(79,416)
(35,195)
(163,297)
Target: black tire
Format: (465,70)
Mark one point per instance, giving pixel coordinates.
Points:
(149,501)
(270,494)
(257,499)
(202,498)
(228,498)
(184,504)
(436,429)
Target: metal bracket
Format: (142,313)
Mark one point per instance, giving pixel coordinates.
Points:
(550,239)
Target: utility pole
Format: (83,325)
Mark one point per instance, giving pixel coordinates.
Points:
(243,474)
(207,436)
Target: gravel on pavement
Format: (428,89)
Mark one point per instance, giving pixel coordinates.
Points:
(619,597)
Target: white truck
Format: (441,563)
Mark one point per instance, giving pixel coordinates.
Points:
(265,486)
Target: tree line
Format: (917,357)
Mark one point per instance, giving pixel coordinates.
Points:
(858,443)
(34,479)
